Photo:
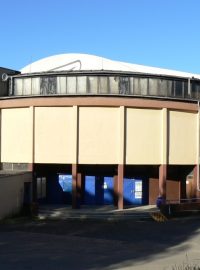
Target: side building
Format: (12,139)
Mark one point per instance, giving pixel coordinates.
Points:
(94,131)
(15,185)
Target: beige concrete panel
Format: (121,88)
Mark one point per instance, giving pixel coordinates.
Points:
(143,136)
(99,135)
(16,135)
(54,135)
(182,137)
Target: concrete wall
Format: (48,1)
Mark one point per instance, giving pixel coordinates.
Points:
(12,193)
(143,136)
(98,135)
(54,135)
(16,135)
(183,132)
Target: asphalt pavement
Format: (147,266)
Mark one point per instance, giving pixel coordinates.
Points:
(99,244)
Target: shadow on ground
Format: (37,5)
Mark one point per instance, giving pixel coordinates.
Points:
(93,244)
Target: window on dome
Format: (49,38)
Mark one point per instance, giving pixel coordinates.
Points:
(81,84)
(27,86)
(131,85)
(18,87)
(178,89)
(71,85)
(35,86)
(103,85)
(163,87)
(136,86)
(169,90)
(139,86)
(195,90)
(48,85)
(61,85)
(143,84)
(186,91)
(153,86)
(92,84)
(114,85)
(124,86)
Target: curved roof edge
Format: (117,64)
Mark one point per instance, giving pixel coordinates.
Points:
(79,62)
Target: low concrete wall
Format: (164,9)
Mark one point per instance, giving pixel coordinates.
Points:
(12,192)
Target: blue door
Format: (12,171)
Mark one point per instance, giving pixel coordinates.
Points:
(108,187)
(99,190)
(132,191)
(90,190)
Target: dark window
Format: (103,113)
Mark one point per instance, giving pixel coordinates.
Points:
(124,85)
(178,89)
(48,85)
(195,89)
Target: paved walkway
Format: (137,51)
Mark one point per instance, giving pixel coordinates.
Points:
(103,212)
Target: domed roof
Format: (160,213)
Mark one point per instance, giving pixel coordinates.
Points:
(86,62)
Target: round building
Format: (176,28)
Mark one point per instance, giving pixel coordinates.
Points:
(95,131)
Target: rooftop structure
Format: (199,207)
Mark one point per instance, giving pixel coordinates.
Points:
(82,74)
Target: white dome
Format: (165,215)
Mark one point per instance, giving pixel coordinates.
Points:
(74,61)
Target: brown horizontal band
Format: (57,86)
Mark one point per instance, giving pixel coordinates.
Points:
(97,101)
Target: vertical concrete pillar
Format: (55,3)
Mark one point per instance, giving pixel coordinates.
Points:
(82,188)
(164,155)
(115,190)
(79,189)
(75,136)
(76,177)
(120,181)
(195,186)
(162,180)
(74,186)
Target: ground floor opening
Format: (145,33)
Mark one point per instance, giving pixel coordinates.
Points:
(94,185)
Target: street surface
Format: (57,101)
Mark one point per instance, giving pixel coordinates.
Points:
(99,244)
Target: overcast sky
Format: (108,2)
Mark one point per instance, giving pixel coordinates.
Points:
(161,33)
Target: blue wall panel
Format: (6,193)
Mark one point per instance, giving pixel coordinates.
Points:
(99,190)
(108,187)
(90,190)
(132,191)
